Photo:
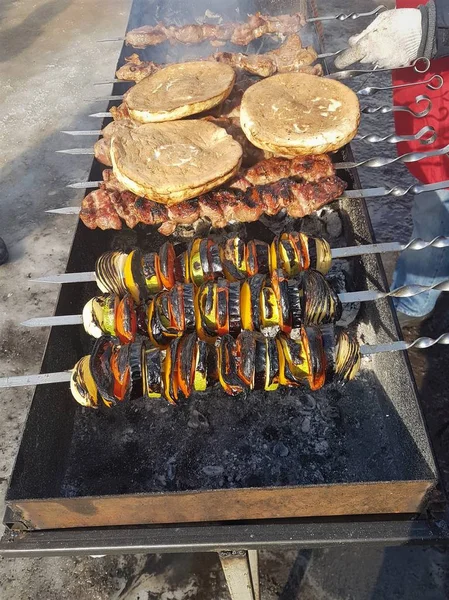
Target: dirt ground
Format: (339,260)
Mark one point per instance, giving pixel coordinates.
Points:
(47,52)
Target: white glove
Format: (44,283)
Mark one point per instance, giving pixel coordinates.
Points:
(391,40)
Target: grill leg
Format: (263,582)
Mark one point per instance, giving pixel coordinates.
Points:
(241,569)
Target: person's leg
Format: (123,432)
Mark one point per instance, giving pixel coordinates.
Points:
(430,214)
(4,255)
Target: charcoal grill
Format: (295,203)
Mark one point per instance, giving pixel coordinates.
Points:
(352,464)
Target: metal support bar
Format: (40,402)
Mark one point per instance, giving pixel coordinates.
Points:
(210,537)
(241,570)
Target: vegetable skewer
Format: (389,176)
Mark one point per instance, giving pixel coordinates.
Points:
(283,303)
(341,362)
(309,253)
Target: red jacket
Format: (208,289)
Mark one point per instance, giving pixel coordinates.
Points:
(431,170)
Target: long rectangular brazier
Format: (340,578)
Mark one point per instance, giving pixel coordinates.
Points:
(362,449)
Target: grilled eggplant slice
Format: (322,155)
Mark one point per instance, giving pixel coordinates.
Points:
(82,384)
(228,366)
(206,311)
(245,348)
(320,304)
(261,365)
(280,288)
(347,363)
(235,319)
(151,372)
(222,316)
(151,273)
(189,306)
(213,254)
(272,366)
(206,373)
(100,368)
(329,346)
(317,357)
(109,270)
(295,303)
(233,259)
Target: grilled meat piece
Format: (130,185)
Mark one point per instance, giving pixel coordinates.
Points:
(305,168)
(119,112)
(240,34)
(135,69)
(290,56)
(102,151)
(97,210)
(220,207)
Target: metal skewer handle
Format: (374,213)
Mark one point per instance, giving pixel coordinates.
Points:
(426,135)
(420,65)
(381,161)
(422,343)
(434,83)
(371,110)
(405,291)
(344,17)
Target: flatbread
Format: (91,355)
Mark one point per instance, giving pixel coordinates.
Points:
(179,90)
(174,161)
(298,114)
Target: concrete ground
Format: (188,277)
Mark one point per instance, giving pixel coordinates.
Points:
(48,63)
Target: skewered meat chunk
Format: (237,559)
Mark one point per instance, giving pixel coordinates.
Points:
(223,206)
(290,56)
(97,210)
(135,69)
(236,33)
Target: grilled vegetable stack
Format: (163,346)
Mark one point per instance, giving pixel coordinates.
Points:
(116,372)
(217,308)
(143,275)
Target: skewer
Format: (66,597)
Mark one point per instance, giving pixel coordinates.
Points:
(421,343)
(416,244)
(405,291)
(419,65)
(368,110)
(373,163)
(395,191)
(344,17)
(434,83)
(379,161)
(340,17)
(427,135)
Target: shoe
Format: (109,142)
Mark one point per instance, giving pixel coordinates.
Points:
(4,255)
(410,321)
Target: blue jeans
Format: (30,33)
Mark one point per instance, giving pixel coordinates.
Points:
(430,214)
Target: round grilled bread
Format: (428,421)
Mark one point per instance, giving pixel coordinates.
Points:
(174,161)
(179,90)
(297,114)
